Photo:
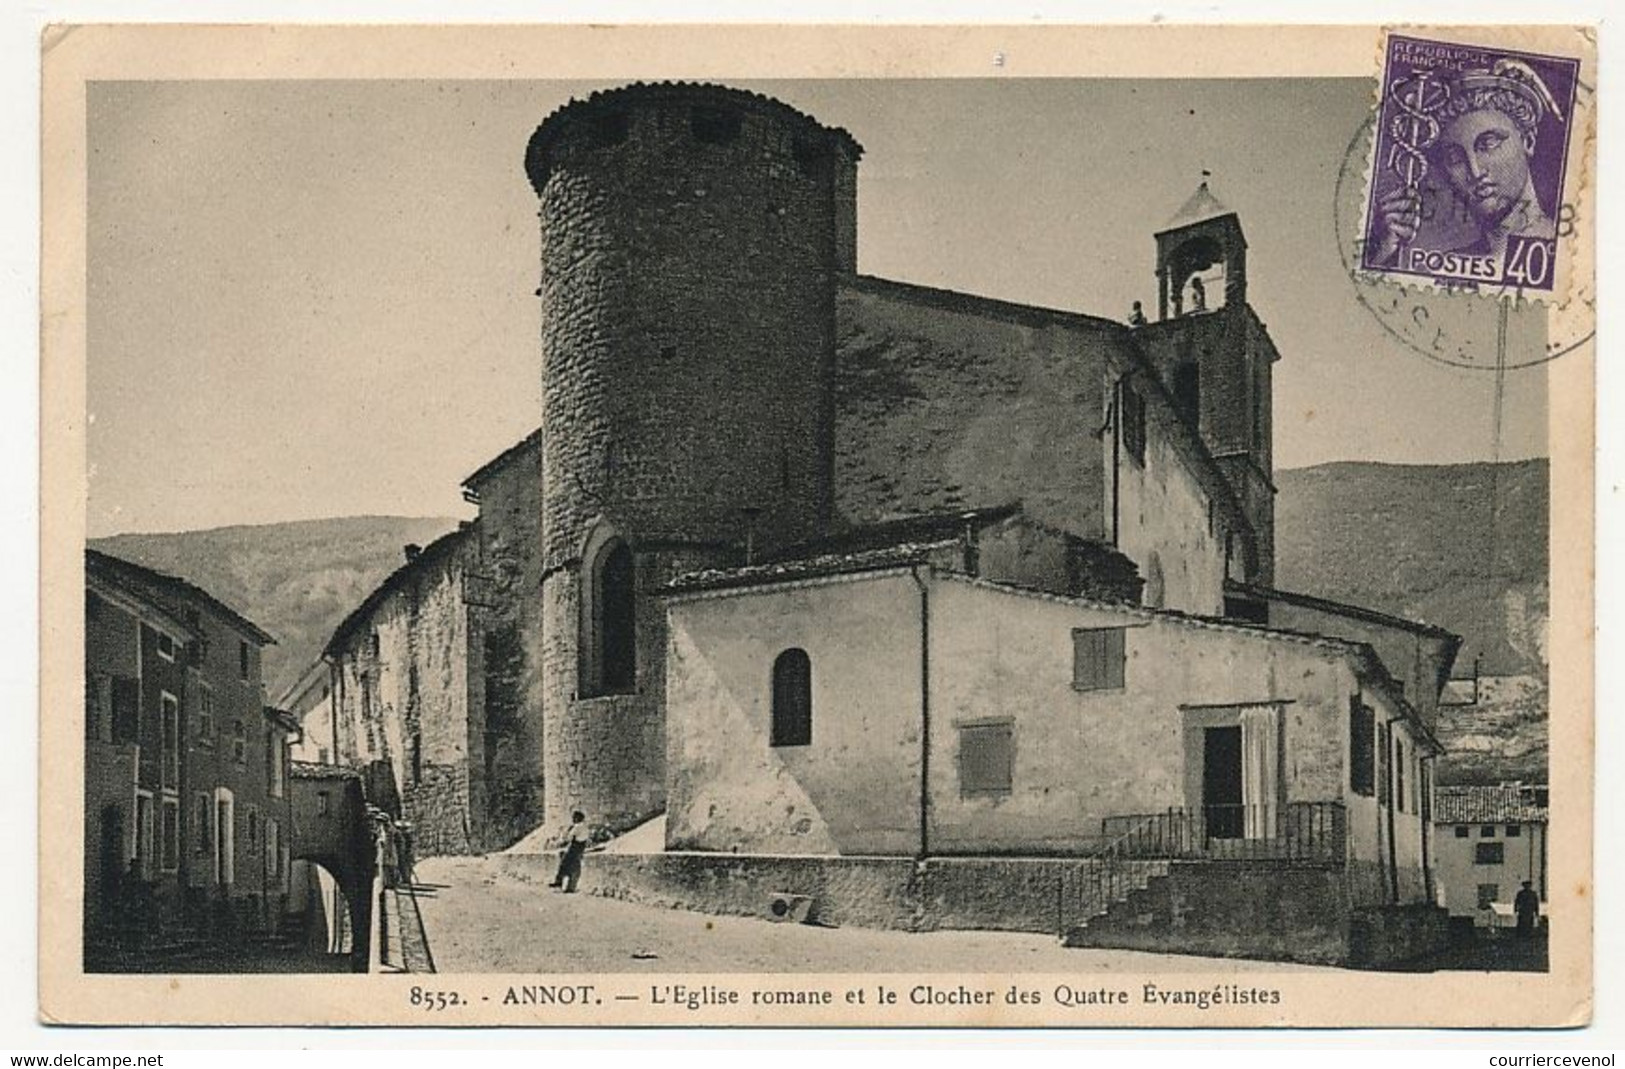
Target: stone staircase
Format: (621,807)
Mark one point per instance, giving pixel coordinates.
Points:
(1103,887)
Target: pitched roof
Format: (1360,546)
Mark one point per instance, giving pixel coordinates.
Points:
(1339,608)
(170,591)
(817,566)
(1200,206)
(433,553)
(502,459)
(924,527)
(1506,804)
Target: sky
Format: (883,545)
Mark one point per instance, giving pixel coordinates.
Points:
(313,299)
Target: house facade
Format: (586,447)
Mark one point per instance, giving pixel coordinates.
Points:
(187,820)
(1491,839)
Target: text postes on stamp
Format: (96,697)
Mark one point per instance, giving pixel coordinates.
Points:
(1466,187)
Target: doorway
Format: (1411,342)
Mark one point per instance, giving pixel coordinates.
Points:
(1221,782)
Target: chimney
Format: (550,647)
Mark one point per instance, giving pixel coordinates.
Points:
(412,551)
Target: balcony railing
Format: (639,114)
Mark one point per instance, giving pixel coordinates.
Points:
(1307,831)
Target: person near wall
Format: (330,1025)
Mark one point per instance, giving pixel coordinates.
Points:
(575,845)
(1527,906)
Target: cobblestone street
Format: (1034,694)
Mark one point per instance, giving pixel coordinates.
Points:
(480,920)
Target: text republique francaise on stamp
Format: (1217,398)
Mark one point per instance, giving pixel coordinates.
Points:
(1467,184)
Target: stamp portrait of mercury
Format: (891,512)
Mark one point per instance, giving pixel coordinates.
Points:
(1467,184)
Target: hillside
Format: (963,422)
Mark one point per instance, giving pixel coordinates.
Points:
(296,580)
(1417,540)
(1409,540)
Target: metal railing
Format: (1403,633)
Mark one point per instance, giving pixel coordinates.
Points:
(1296,831)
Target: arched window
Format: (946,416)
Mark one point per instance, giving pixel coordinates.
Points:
(608,641)
(792,699)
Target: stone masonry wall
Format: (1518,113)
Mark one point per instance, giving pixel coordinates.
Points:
(688,263)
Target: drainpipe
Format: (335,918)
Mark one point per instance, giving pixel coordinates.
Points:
(1117,460)
(1393,802)
(925,710)
(1425,792)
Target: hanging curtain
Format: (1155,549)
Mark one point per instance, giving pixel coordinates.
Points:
(1260,769)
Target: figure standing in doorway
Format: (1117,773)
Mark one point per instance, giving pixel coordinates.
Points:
(575,844)
(1527,906)
(1198,295)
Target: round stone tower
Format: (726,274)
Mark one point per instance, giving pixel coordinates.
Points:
(692,237)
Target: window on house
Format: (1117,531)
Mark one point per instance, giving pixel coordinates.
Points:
(165,646)
(239,742)
(609,649)
(1487,831)
(986,758)
(1133,420)
(1362,745)
(99,707)
(324,803)
(205,716)
(202,837)
(126,710)
(253,830)
(375,644)
(1462,831)
(276,770)
(170,710)
(242,660)
(144,834)
(172,834)
(1488,894)
(1098,655)
(1514,831)
(792,699)
(1489,853)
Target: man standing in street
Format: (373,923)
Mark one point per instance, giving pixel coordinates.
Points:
(575,844)
(1527,906)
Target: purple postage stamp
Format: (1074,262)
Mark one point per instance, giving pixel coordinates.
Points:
(1467,179)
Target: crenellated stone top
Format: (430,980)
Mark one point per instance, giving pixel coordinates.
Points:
(603,116)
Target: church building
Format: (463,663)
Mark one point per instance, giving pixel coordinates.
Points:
(819,564)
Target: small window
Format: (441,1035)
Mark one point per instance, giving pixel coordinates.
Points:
(1097,658)
(170,712)
(1514,831)
(1488,894)
(239,742)
(1362,745)
(1462,831)
(1188,393)
(324,802)
(1133,422)
(205,717)
(253,831)
(1487,831)
(986,758)
(172,834)
(202,839)
(375,645)
(166,647)
(242,660)
(1489,853)
(792,699)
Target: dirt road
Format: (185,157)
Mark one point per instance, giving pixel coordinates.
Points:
(480,920)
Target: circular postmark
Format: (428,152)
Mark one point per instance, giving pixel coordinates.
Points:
(1473,326)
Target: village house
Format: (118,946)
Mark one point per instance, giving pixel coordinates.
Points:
(820,565)
(1490,840)
(187,815)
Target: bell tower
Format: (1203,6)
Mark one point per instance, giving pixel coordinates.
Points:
(1215,357)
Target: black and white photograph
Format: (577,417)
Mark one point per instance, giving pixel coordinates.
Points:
(562,550)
